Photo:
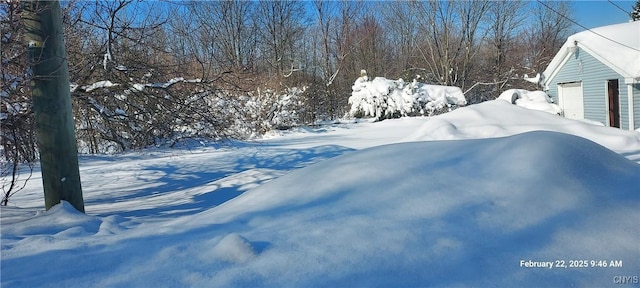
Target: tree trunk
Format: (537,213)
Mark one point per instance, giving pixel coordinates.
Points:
(52,104)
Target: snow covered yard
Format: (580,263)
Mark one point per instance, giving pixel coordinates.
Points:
(474,197)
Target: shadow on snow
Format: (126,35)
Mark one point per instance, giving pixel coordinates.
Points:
(207,183)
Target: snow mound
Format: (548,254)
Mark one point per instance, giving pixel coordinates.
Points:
(60,219)
(59,228)
(499,119)
(234,248)
(535,100)
(439,207)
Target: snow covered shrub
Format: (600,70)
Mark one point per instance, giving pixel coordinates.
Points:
(264,110)
(285,109)
(434,98)
(383,98)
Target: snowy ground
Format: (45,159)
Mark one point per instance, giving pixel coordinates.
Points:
(359,204)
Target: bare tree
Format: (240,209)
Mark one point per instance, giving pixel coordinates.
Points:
(503,61)
(18,150)
(372,51)
(452,32)
(550,28)
(401,30)
(227,28)
(281,29)
(337,44)
(143,94)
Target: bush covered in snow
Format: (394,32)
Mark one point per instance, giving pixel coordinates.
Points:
(384,98)
(269,109)
(535,100)
(285,107)
(137,115)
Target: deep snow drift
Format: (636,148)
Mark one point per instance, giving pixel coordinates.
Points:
(469,211)
(499,118)
(441,213)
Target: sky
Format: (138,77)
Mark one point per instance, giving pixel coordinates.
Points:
(593,14)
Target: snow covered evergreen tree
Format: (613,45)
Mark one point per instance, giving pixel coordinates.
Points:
(635,14)
(383,98)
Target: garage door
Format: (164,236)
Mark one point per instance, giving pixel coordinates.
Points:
(571,100)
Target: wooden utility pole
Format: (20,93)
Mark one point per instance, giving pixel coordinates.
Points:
(52,103)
